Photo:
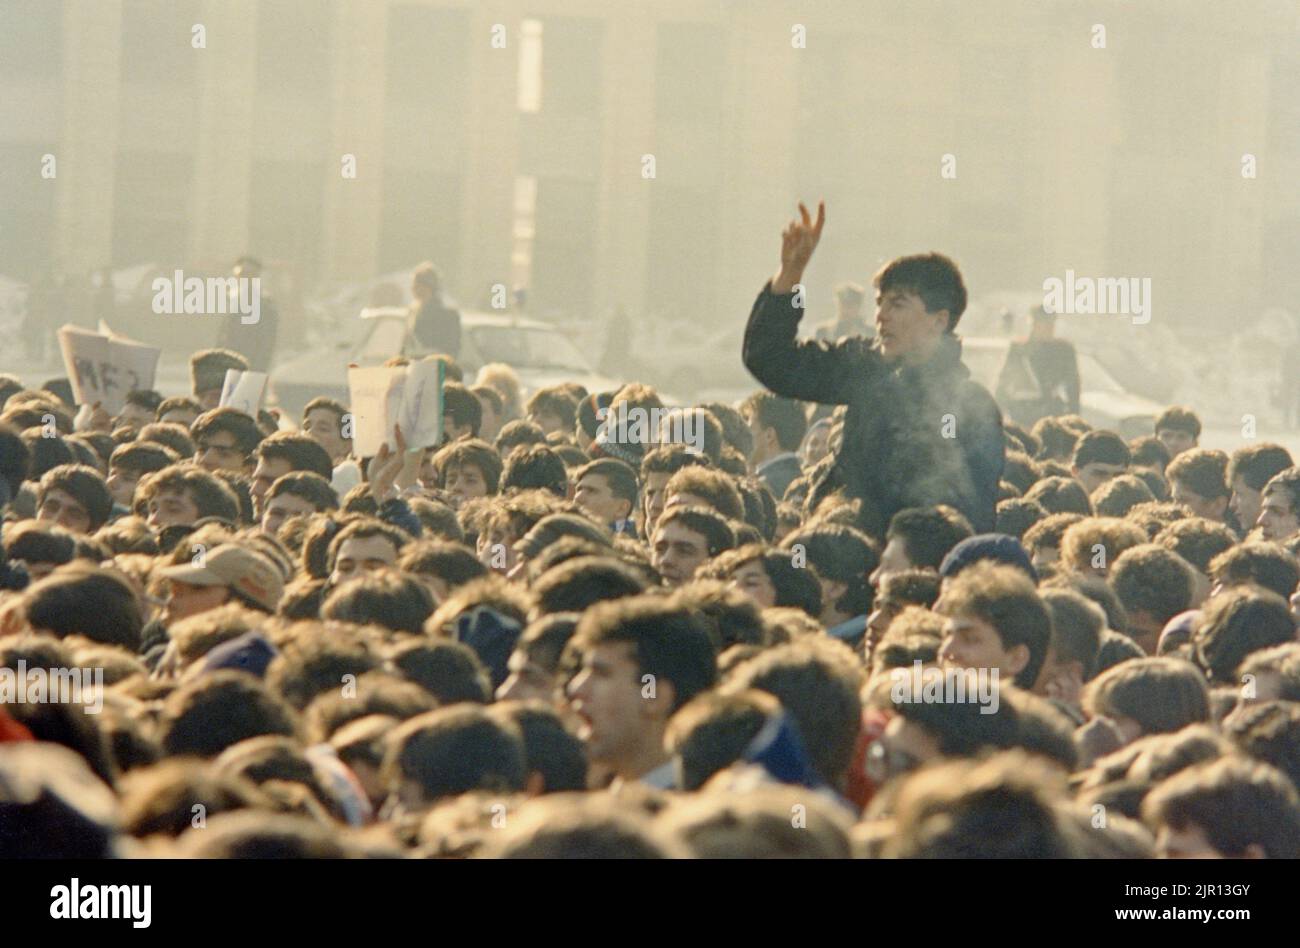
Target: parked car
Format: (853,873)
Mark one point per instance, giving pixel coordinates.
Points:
(540,353)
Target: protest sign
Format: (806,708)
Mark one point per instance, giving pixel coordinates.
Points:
(383,397)
(105,369)
(244,390)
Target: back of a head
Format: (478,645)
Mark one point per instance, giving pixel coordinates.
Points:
(207,715)
(768,822)
(576,826)
(258,834)
(817,682)
(999,808)
(454,750)
(1242,808)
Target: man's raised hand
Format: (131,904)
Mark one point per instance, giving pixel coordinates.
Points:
(798,241)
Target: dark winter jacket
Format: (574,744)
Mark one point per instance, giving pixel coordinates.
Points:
(913,436)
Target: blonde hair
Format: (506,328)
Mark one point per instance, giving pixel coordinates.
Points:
(505,380)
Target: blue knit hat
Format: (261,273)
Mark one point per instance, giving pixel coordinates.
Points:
(998,547)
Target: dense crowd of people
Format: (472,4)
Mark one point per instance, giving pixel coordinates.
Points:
(553,636)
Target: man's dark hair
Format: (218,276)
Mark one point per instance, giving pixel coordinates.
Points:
(363,527)
(1236,623)
(1119,495)
(15,458)
(1077,624)
(1161,695)
(142,457)
(464,409)
(332,405)
(1001,808)
(46,453)
(931,276)
(39,541)
(840,554)
(1197,540)
(1004,598)
(668,641)
(717,533)
(928,533)
(303,452)
(94,602)
(544,639)
(1016,515)
(471,452)
(455,750)
(1269,732)
(619,475)
(311,487)
(669,459)
(1149,451)
(734,429)
(713,731)
(1264,564)
(1286,484)
(793,586)
(1101,447)
(554,400)
(550,749)
(204,717)
(178,403)
(785,416)
(1178,418)
(714,487)
(454,563)
(216,420)
(211,495)
(169,434)
(535,466)
(316,660)
(1059,495)
(1236,803)
(450,671)
(388,599)
(517,433)
(439,520)
(1203,470)
(914,587)
(1257,464)
(817,682)
(1153,579)
(85,485)
(145,398)
(577,584)
(375,692)
(1019,470)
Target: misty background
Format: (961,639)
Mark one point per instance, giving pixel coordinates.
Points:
(525,166)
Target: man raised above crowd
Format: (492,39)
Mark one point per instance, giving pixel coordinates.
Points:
(918,431)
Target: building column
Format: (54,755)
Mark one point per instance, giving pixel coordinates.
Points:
(223,162)
(87,152)
(352,213)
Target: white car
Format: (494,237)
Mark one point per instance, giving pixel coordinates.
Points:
(539,352)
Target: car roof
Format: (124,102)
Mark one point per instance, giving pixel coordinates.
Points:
(469,319)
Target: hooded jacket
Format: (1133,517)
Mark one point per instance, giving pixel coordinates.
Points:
(914,435)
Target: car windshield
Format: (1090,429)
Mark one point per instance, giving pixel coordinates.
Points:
(528,348)
(385,340)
